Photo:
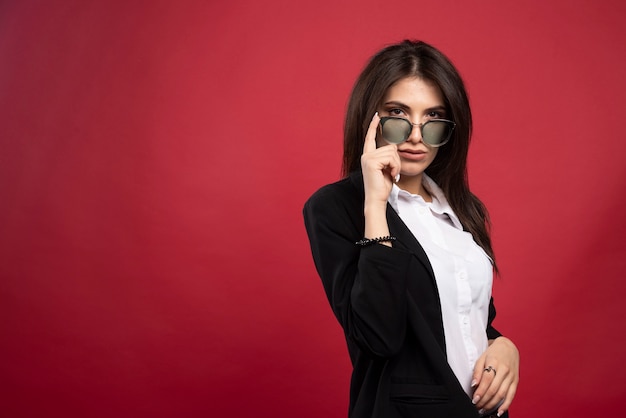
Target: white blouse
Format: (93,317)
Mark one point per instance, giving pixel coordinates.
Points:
(463,274)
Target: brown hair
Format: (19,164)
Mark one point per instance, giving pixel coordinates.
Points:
(449,169)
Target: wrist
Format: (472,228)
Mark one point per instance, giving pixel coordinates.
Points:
(375,208)
(376,220)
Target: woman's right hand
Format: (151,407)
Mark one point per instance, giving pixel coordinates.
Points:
(380,167)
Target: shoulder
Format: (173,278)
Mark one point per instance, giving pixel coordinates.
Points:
(337,205)
(343,191)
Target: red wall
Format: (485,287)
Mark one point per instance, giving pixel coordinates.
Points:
(155,157)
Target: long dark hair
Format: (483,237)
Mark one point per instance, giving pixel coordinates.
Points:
(449,169)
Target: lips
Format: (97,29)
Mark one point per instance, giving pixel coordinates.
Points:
(412,154)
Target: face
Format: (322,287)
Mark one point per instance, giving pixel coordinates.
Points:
(417,100)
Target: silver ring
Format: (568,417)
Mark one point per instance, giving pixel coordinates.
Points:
(490,369)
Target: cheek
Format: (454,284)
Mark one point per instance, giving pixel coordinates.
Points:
(432,157)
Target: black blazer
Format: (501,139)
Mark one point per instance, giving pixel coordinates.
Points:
(387,302)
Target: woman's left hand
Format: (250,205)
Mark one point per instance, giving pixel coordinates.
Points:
(496,376)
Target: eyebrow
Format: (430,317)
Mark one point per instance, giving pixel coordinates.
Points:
(401,105)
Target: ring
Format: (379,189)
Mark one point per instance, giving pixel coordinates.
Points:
(490,369)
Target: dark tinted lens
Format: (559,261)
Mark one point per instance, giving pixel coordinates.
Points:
(396,130)
(436,132)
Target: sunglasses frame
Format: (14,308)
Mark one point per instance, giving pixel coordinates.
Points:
(450,123)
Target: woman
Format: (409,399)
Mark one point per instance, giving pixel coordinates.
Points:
(403,249)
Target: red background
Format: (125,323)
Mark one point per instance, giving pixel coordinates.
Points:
(155,157)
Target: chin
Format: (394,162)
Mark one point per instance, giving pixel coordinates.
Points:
(412,171)
(412,168)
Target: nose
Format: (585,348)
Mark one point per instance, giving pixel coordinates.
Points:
(416,133)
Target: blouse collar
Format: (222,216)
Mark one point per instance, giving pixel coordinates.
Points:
(439,205)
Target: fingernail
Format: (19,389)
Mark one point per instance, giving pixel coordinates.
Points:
(474,382)
(500,413)
(476,399)
(482,411)
(397,178)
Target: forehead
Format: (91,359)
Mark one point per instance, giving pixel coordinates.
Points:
(414,91)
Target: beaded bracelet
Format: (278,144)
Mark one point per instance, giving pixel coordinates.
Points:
(369,241)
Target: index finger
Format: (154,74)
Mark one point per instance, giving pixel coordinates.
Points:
(370,137)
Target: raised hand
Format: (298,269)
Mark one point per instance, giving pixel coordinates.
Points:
(380,167)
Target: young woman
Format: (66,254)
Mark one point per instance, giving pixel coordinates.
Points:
(403,249)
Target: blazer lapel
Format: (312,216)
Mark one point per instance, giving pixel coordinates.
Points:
(405,239)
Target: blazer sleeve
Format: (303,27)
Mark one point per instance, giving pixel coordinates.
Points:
(366,286)
(492,333)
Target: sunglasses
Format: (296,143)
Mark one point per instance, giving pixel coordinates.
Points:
(435,132)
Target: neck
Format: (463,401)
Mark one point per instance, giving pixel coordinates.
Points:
(413,185)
